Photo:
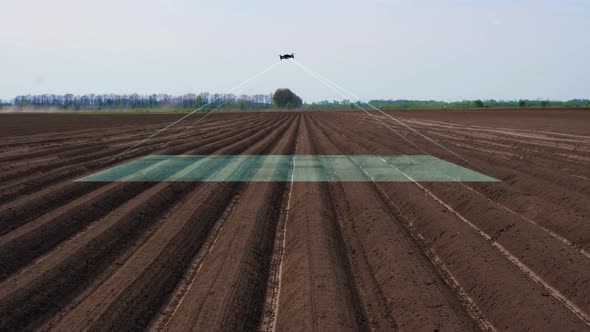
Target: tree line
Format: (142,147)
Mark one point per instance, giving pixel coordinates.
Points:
(433,104)
(135,101)
(259,101)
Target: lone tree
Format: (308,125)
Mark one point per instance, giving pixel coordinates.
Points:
(478,103)
(285,98)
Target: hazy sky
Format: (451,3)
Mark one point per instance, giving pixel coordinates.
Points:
(394,49)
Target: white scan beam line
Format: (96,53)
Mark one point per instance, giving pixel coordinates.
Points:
(391,117)
(197,122)
(359,106)
(192,112)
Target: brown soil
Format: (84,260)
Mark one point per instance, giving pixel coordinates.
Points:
(513,255)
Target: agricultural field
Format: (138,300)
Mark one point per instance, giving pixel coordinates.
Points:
(289,255)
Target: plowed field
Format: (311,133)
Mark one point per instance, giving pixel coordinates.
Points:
(302,256)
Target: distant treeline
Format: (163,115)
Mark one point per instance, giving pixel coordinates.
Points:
(433,104)
(92,102)
(137,101)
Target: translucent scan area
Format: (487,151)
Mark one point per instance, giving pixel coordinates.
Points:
(286,168)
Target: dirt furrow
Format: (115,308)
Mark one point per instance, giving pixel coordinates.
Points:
(227,134)
(27,243)
(62,127)
(58,278)
(390,266)
(234,275)
(314,267)
(71,168)
(409,206)
(15,216)
(130,303)
(560,211)
(522,153)
(24,297)
(38,143)
(79,146)
(509,255)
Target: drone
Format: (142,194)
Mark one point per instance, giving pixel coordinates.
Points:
(287,56)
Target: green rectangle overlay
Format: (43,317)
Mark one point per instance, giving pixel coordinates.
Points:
(287,168)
